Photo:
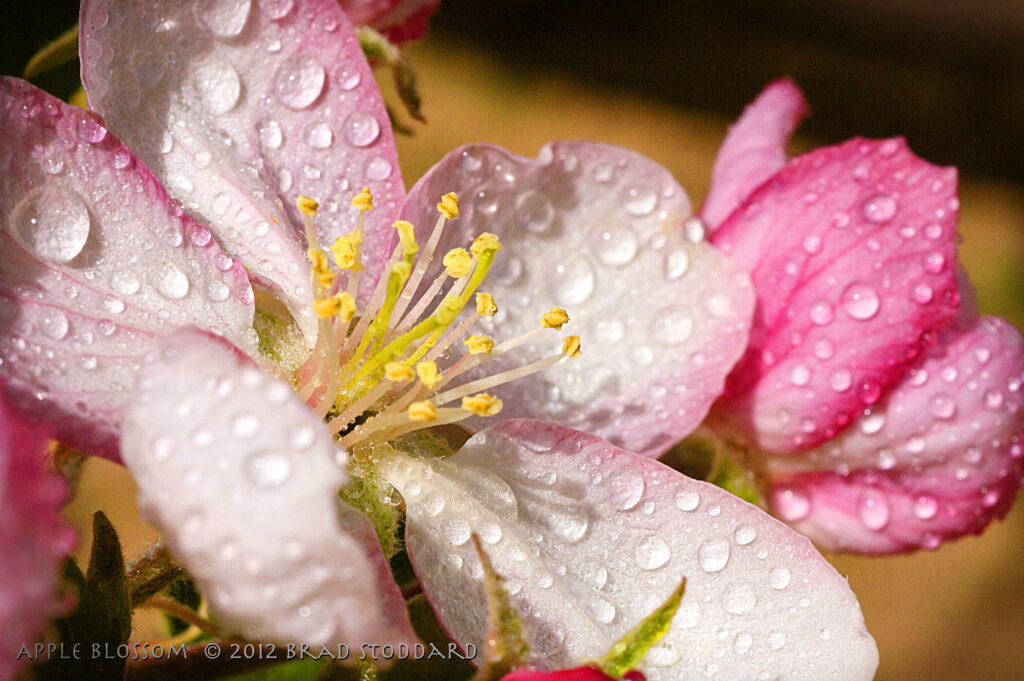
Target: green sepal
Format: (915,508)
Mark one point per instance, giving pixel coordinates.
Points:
(103,619)
(628,651)
(379,50)
(504,647)
(57,53)
(379,501)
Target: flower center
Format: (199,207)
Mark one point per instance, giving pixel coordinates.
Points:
(373,373)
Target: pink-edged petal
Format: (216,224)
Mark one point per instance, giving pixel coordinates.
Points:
(243,479)
(33,538)
(591,539)
(242,106)
(852,252)
(95,262)
(939,458)
(598,230)
(754,148)
(577,674)
(400,20)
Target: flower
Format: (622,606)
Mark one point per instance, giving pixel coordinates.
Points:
(241,115)
(577,674)
(399,20)
(880,412)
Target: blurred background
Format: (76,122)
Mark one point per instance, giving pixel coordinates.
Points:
(666,78)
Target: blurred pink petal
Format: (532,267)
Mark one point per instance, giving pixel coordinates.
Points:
(33,537)
(240,108)
(399,20)
(852,251)
(95,262)
(577,674)
(754,149)
(243,481)
(938,458)
(591,539)
(598,230)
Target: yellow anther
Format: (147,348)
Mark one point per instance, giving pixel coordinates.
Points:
(555,318)
(340,304)
(485,241)
(571,347)
(479,344)
(396,372)
(482,404)
(407,234)
(345,252)
(449,206)
(458,262)
(485,305)
(422,411)
(427,371)
(363,200)
(307,205)
(320,266)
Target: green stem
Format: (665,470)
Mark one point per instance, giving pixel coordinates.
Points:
(151,572)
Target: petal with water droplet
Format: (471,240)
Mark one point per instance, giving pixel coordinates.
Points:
(95,262)
(598,230)
(645,551)
(884,222)
(256,520)
(33,536)
(224,120)
(945,461)
(754,149)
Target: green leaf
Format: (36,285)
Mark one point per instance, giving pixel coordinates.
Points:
(505,647)
(628,651)
(103,619)
(61,51)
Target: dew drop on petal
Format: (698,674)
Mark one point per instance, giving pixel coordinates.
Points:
(277,9)
(224,18)
(687,501)
(639,201)
(652,553)
(53,223)
(943,406)
(54,324)
(926,507)
(218,84)
(299,81)
(677,261)
(271,135)
(318,135)
(268,469)
(779,578)
(172,282)
(573,281)
(879,209)
(873,509)
(792,503)
(739,598)
(378,168)
(360,129)
(744,534)
(860,301)
(671,326)
(534,211)
(713,554)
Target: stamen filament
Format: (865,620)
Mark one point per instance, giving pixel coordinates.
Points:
(497,379)
(421,269)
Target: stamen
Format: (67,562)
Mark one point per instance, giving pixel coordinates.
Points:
(422,411)
(482,404)
(421,269)
(497,379)
(458,263)
(479,344)
(449,206)
(396,372)
(340,304)
(485,305)
(363,200)
(555,318)
(429,376)
(571,347)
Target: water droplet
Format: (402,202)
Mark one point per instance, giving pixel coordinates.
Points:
(873,509)
(744,534)
(378,168)
(652,553)
(271,136)
(89,127)
(602,610)
(246,425)
(53,223)
(54,325)
(662,656)
(618,247)
(879,209)
(812,244)
(933,231)
(299,81)
(739,598)
(218,85)
(639,201)
(779,578)
(800,375)
(318,135)
(360,129)
(172,282)
(311,172)
(687,501)
(627,488)
(934,262)
(741,644)
(860,301)
(534,211)
(719,305)
(268,469)
(693,228)
(792,503)
(926,507)
(993,400)
(671,326)
(841,380)
(713,554)
(277,9)
(121,159)
(872,423)
(822,313)
(570,524)
(677,261)
(224,18)
(943,406)
(776,640)
(573,281)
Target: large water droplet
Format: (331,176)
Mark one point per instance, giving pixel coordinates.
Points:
(318,135)
(268,469)
(378,168)
(224,18)
(602,610)
(926,507)
(457,531)
(672,326)
(277,9)
(652,553)
(713,554)
(218,85)
(299,81)
(639,201)
(172,282)
(741,644)
(677,261)
(271,136)
(739,598)
(570,524)
(792,503)
(860,301)
(776,640)
(573,281)
(779,578)
(360,129)
(627,488)
(534,212)
(822,313)
(54,324)
(943,406)
(873,509)
(879,209)
(125,282)
(687,501)
(53,223)
(744,534)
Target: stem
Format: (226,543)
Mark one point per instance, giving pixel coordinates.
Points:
(150,572)
(184,613)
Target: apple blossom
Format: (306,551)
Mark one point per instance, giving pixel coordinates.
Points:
(399,20)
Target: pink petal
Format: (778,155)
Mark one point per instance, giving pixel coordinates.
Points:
(242,479)
(939,458)
(400,20)
(598,230)
(577,674)
(33,538)
(754,149)
(95,262)
(591,539)
(852,252)
(241,107)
